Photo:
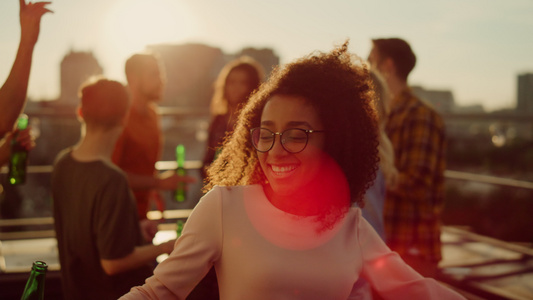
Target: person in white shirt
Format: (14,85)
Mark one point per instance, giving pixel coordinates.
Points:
(277,222)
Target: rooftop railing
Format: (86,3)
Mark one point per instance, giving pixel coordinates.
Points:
(195,165)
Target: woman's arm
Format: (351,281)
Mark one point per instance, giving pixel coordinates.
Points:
(390,276)
(195,252)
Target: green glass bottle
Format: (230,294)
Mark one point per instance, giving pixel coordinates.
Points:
(18,159)
(179,195)
(34,289)
(179,227)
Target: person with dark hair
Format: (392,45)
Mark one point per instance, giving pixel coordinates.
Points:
(412,208)
(101,247)
(139,147)
(393,51)
(233,86)
(387,174)
(13,91)
(277,222)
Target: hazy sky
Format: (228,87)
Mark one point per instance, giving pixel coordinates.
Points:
(476,48)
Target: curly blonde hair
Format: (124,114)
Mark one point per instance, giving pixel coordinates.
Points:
(338,85)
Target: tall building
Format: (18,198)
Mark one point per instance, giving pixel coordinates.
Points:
(190,70)
(76,68)
(525,93)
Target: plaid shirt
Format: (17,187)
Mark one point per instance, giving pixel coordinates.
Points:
(412,211)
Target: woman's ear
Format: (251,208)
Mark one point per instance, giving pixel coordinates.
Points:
(388,67)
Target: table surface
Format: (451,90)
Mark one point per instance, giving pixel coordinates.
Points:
(17,256)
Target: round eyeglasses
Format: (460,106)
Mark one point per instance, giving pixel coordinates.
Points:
(293,140)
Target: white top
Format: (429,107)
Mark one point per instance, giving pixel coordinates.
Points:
(261,252)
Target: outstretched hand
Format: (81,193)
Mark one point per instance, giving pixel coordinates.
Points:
(149,229)
(30,20)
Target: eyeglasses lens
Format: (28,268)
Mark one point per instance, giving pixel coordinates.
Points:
(293,140)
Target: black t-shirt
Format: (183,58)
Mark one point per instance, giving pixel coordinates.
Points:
(95,218)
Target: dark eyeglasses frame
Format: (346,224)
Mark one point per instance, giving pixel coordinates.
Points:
(307,132)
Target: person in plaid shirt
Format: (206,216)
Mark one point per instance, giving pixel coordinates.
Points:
(413,208)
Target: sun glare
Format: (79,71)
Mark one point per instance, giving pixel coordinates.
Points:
(133,24)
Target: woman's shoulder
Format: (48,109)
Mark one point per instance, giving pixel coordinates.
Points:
(225,199)
(354,210)
(353,216)
(230,196)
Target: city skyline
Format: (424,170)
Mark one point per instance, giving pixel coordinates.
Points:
(473,48)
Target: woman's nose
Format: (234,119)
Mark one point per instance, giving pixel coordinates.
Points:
(277,148)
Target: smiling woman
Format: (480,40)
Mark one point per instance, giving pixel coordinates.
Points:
(130,25)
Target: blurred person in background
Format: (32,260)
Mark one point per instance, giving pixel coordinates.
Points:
(233,86)
(103,249)
(413,207)
(139,146)
(387,175)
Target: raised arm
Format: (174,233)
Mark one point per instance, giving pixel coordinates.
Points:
(195,252)
(14,90)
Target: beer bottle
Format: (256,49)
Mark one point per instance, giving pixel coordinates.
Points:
(18,159)
(180,159)
(34,289)
(179,228)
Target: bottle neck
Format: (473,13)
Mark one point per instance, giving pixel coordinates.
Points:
(40,267)
(34,288)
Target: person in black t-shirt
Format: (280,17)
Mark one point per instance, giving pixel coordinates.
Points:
(102,249)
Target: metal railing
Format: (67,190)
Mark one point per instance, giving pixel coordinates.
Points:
(196,164)
(449,174)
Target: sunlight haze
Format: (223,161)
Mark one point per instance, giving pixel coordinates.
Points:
(476,49)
